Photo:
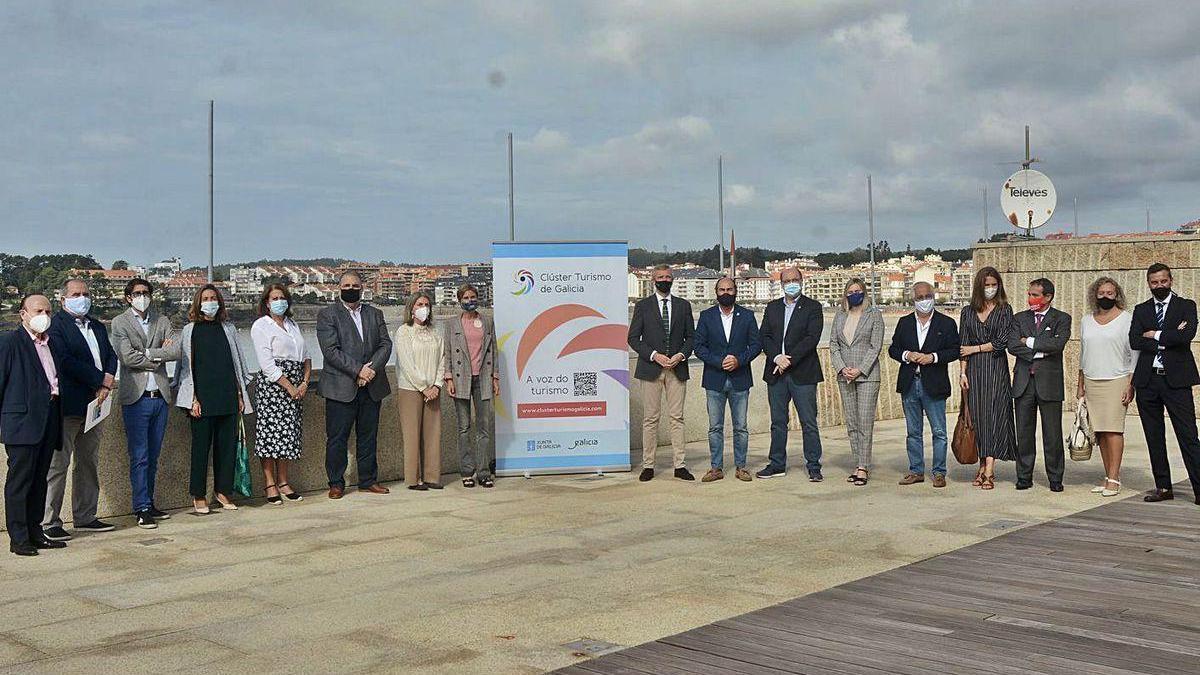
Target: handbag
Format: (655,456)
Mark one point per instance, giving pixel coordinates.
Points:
(963,443)
(1082,438)
(241,470)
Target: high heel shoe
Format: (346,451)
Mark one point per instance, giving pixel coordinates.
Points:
(1100,488)
(227,506)
(273,501)
(1111,493)
(292,496)
(200,507)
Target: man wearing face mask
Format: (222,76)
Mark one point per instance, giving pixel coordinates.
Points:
(660,331)
(924,342)
(30,423)
(791,331)
(1162,331)
(89,372)
(140,336)
(356,347)
(727,341)
(1039,336)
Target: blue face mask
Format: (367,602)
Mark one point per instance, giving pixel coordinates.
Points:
(79,306)
(279,307)
(470,305)
(856,298)
(792,288)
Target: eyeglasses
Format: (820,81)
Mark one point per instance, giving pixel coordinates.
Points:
(140,294)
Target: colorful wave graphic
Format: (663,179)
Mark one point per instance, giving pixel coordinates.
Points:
(524,281)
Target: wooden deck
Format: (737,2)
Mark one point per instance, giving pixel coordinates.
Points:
(1115,589)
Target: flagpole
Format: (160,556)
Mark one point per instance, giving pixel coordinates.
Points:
(721,211)
(210,192)
(871,234)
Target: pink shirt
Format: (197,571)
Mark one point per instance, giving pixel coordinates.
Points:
(43,351)
(474,335)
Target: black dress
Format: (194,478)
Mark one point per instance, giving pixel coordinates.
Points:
(989,394)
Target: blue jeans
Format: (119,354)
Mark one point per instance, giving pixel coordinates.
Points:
(145,426)
(804,397)
(918,405)
(739,401)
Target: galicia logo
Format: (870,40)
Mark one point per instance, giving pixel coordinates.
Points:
(585,442)
(524,281)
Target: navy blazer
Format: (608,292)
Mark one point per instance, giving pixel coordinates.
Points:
(711,347)
(24,390)
(79,378)
(800,343)
(1176,342)
(942,340)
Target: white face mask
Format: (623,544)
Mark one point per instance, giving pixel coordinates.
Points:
(40,323)
(421,314)
(989,292)
(925,306)
(210,308)
(141,303)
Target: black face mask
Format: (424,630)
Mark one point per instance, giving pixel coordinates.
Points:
(351,295)
(663,287)
(1106,303)
(726,299)
(1160,293)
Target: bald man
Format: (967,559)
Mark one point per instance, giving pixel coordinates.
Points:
(30,423)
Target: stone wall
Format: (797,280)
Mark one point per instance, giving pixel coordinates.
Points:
(1073,264)
(308,474)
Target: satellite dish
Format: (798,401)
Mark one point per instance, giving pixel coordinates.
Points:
(1028,199)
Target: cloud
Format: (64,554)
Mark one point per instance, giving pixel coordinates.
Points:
(107,141)
(739,195)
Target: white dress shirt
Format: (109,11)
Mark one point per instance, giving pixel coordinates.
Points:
(356,317)
(1029,340)
(272,342)
(144,322)
(922,333)
(727,322)
(1158,361)
(658,304)
(789,307)
(85,327)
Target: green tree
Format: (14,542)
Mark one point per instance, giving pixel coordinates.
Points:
(120,265)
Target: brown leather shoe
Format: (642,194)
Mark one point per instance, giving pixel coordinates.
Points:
(912,478)
(744,475)
(376,489)
(939,481)
(336,492)
(712,475)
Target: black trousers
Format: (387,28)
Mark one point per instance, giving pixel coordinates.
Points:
(218,435)
(25,486)
(361,415)
(1027,408)
(1151,400)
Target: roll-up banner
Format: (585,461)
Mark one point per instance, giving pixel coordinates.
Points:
(562,324)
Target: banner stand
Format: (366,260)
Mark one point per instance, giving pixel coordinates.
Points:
(562,325)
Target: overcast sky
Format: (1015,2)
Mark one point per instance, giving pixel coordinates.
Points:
(375,130)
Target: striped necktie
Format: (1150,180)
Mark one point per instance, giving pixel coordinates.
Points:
(666,321)
(1160,313)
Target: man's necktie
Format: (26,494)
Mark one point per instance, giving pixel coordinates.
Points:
(666,321)
(1160,313)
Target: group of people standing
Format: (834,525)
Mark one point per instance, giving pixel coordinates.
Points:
(1143,355)
(57,363)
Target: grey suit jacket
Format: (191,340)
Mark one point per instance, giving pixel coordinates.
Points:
(182,351)
(345,352)
(131,346)
(863,351)
(456,360)
(1051,340)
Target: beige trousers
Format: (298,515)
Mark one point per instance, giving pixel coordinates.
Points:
(421,429)
(653,392)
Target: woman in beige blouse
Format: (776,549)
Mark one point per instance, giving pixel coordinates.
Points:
(854,345)
(418,381)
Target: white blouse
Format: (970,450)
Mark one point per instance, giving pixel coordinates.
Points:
(418,357)
(272,342)
(1105,353)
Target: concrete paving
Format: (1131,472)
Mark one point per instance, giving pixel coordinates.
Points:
(496,581)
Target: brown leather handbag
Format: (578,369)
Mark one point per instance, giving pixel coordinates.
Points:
(966,451)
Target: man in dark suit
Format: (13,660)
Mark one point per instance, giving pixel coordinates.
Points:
(1039,335)
(30,423)
(924,342)
(1162,331)
(660,331)
(727,341)
(88,374)
(356,347)
(790,333)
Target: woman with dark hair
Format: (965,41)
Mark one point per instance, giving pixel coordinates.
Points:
(1106,363)
(284,371)
(985,326)
(418,382)
(471,376)
(212,388)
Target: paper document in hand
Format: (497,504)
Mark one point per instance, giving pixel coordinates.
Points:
(96,412)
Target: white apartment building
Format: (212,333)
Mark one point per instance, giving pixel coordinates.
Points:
(963,278)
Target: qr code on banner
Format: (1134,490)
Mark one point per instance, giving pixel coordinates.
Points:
(585,384)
